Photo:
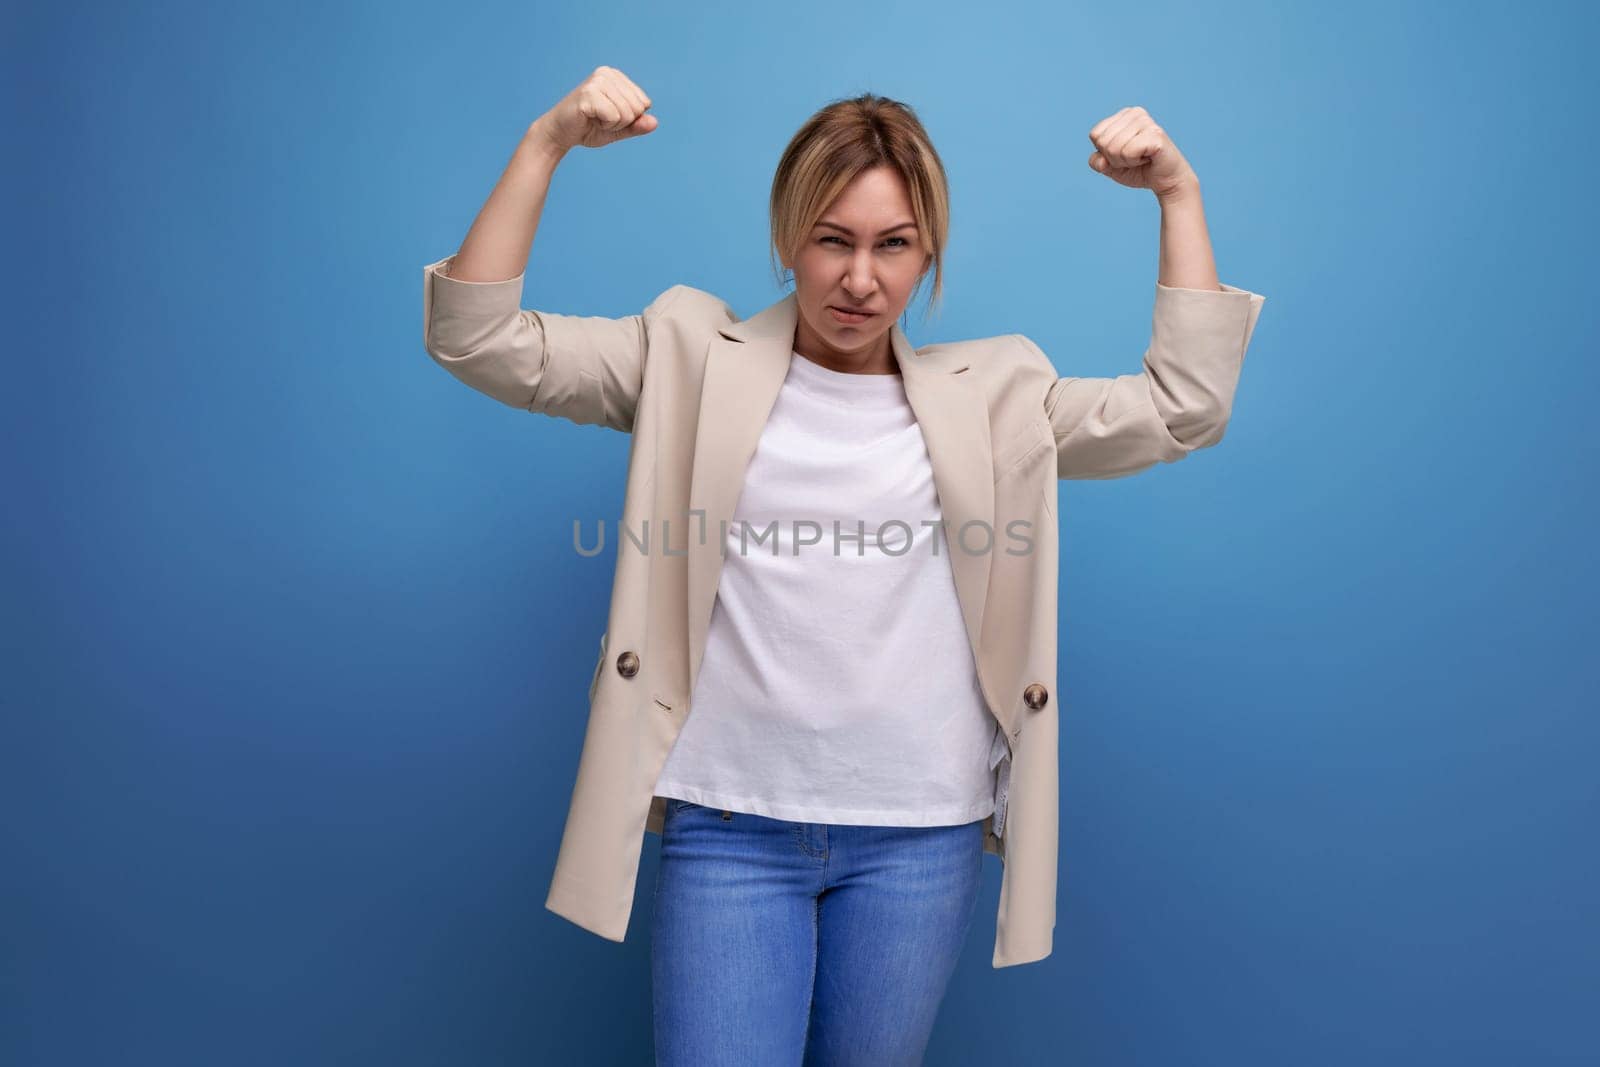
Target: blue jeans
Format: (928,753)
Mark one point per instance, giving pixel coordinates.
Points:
(778,943)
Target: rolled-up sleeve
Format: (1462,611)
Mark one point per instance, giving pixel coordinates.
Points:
(1180,401)
(587,369)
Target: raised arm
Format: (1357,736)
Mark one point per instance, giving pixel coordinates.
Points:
(1182,399)
(587,369)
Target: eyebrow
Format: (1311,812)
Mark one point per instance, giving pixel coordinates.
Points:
(842,229)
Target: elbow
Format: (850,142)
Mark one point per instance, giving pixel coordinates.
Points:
(1195,407)
(503,359)
(1201,427)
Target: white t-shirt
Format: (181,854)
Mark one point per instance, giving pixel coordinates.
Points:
(838,683)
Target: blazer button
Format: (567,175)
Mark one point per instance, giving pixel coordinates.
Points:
(1036,696)
(628,664)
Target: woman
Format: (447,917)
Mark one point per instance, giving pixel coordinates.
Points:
(859,699)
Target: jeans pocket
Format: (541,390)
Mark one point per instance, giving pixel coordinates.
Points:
(682,805)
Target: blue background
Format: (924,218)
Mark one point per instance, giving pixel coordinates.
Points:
(297,646)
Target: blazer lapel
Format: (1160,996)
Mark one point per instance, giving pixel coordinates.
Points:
(745,367)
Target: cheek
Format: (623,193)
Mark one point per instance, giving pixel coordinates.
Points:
(903,287)
(805,269)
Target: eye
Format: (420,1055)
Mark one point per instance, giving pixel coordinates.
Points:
(903,242)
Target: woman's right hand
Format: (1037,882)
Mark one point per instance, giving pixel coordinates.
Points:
(605,107)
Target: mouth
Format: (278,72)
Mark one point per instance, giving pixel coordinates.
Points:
(849,318)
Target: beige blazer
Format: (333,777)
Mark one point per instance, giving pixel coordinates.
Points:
(693,384)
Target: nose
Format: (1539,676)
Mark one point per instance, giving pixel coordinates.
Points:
(859,282)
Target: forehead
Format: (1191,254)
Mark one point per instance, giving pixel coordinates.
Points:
(872,197)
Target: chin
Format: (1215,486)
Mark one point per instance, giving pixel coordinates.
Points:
(846,340)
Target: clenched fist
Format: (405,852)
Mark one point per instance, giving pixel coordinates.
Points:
(605,107)
(1132,150)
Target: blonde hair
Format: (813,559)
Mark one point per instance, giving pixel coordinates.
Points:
(839,142)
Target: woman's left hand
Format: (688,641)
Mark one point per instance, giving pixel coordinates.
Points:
(1132,150)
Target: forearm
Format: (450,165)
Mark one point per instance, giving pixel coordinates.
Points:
(497,246)
(1186,259)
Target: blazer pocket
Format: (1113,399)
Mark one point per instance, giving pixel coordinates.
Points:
(1035,436)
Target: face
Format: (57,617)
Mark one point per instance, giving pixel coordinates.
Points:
(864,254)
